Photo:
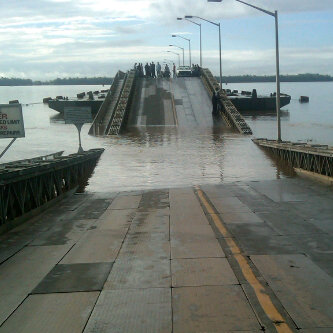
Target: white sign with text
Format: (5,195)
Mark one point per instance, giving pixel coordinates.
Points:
(77,115)
(11,121)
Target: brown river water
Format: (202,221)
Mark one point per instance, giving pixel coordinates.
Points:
(160,157)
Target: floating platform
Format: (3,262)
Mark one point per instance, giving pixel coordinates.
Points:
(313,158)
(259,104)
(27,187)
(59,105)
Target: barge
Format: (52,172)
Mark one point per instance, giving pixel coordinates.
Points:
(82,100)
(246,101)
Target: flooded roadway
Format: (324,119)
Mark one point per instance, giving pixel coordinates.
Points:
(241,251)
(172,139)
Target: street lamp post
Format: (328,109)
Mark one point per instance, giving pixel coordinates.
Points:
(275,15)
(177,55)
(179,48)
(189,46)
(198,24)
(219,26)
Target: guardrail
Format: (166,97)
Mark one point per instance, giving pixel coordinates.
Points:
(123,104)
(313,158)
(228,111)
(32,160)
(25,188)
(99,125)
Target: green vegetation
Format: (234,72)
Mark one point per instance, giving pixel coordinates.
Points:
(66,81)
(284,78)
(108,80)
(4,81)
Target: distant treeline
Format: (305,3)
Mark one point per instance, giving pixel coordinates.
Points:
(66,81)
(283,78)
(108,80)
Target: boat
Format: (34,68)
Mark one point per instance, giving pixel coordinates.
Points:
(245,101)
(83,99)
(60,105)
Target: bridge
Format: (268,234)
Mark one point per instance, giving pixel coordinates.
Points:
(230,257)
(181,102)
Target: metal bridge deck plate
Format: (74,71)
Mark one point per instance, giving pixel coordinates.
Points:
(74,277)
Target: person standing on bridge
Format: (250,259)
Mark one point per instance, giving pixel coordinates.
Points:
(166,71)
(152,69)
(214,102)
(141,70)
(147,69)
(158,69)
(174,70)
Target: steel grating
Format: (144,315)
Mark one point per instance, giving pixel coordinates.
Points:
(123,104)
(228,111)
(101,123)
(27,186)
(312,158)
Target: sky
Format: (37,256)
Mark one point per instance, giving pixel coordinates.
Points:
(46,39)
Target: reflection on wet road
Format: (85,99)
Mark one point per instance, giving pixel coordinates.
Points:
(165,157)
(172,140)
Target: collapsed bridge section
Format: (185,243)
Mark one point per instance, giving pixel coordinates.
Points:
(227,110)
(184,102)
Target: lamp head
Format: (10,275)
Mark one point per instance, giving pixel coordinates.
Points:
(179,18)
(174,36)
(214,0)
(188,16)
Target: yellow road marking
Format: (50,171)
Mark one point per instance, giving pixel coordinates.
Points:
(265,301)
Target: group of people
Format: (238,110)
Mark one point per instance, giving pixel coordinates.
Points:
(153,71)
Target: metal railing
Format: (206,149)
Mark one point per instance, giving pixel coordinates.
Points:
(312,158)
(123,104)
(228,111)
(98,126)
(25,187)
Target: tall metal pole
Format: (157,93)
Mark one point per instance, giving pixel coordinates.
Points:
(181,49)
(220,56)
(189,50)
(275,15)
(200,49)
(180,18)
(220,48)
(189,47)
(277,76)
(177,55)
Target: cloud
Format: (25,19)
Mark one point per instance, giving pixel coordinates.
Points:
(82,36)
(167,10)
(262,62)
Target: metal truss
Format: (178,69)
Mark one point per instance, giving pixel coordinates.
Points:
(102,121)
(228,111)
(27,186)
(123,104)
(313,158)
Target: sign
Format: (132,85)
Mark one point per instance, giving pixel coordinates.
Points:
(11,121)
(77,115)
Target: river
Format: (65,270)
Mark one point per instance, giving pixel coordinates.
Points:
(165,157)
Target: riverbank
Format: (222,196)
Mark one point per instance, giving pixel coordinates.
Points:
(225,79)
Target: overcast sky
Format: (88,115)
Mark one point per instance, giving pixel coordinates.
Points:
(45,39)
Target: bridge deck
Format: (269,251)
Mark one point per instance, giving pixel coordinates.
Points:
(180,102)
(224,258)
